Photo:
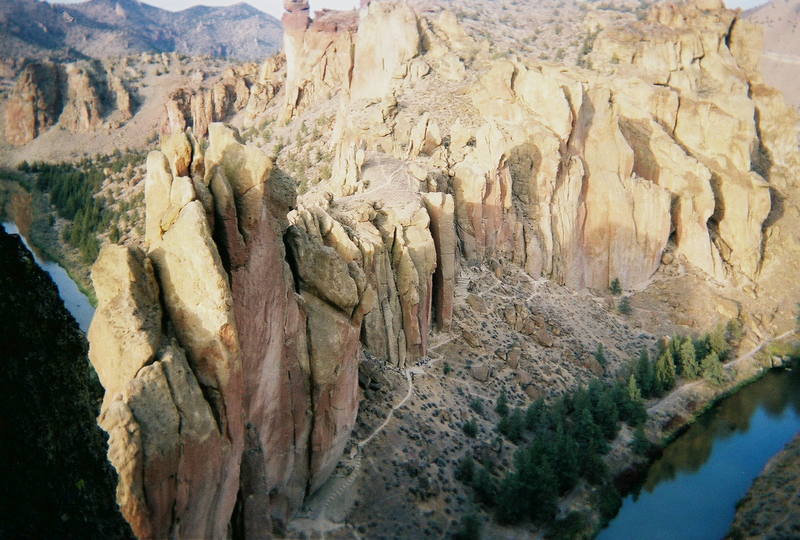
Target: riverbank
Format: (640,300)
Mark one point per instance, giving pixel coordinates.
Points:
(670,416)
(771,508)
(31,211)
(675,413)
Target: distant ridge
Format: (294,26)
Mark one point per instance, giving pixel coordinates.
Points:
(107,28)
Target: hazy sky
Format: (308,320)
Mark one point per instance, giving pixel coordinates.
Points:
(275,7)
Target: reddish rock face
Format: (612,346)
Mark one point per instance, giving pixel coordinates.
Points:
(34,104)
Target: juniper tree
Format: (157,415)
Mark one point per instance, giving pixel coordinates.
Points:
(712,368)
(664,372)
(688,361)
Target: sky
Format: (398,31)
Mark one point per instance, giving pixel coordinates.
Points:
(275,7)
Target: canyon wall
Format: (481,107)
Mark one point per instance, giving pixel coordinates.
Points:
(80,97)
(229,351)
(582,176)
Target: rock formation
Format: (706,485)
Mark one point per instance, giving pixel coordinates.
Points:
(34,104)
(83,110)
(237,337)
(80,97)
(197,108)
(258,347)
(579,176)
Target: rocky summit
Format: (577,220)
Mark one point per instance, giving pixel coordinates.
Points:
(346,250)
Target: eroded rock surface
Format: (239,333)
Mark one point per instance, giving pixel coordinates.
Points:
(259,344)
(443,160)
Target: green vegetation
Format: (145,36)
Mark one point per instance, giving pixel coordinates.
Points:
(501,407)
(624,306)
(470,428)
(476,405)
(470,528)
(558,444)
(600,355)
(73,191)
(615,287)
(687,358)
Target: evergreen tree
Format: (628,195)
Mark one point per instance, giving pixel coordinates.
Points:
(625,306)
(664,372)
(634,393)
(470,428)
(615,288)
(483,484)
(640,444)
(688,361)
(600,355)
(535,414)
(501,407)
(465,470)
(512,425)
(565,460)
(718,342)
(712,368)
(470,528)
(606,414)
(645,375)
(631,409)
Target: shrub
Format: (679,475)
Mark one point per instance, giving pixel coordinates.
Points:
(470,428)
(476,405)
(625,306)
(470,528)
(615,288)
(501,407)
(640,443)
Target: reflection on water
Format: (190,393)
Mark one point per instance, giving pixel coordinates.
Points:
(74,300)
(692,489)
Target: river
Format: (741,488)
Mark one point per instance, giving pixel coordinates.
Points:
(74,300)
(691,491)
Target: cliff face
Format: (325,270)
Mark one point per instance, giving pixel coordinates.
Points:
(230,350)
(34,104)
(580,176)
(237,90)
(245,354)
(79,97)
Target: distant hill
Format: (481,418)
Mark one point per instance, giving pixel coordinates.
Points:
(105,28)
(780,64)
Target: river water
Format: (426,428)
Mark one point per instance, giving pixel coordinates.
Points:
(74,300)
(691,491)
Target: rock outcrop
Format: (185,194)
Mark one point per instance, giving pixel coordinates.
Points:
(197,108)
(580,176)
(80,97)
(34,104)
(83,111)
(318,54)
(221,342)
(238,335)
